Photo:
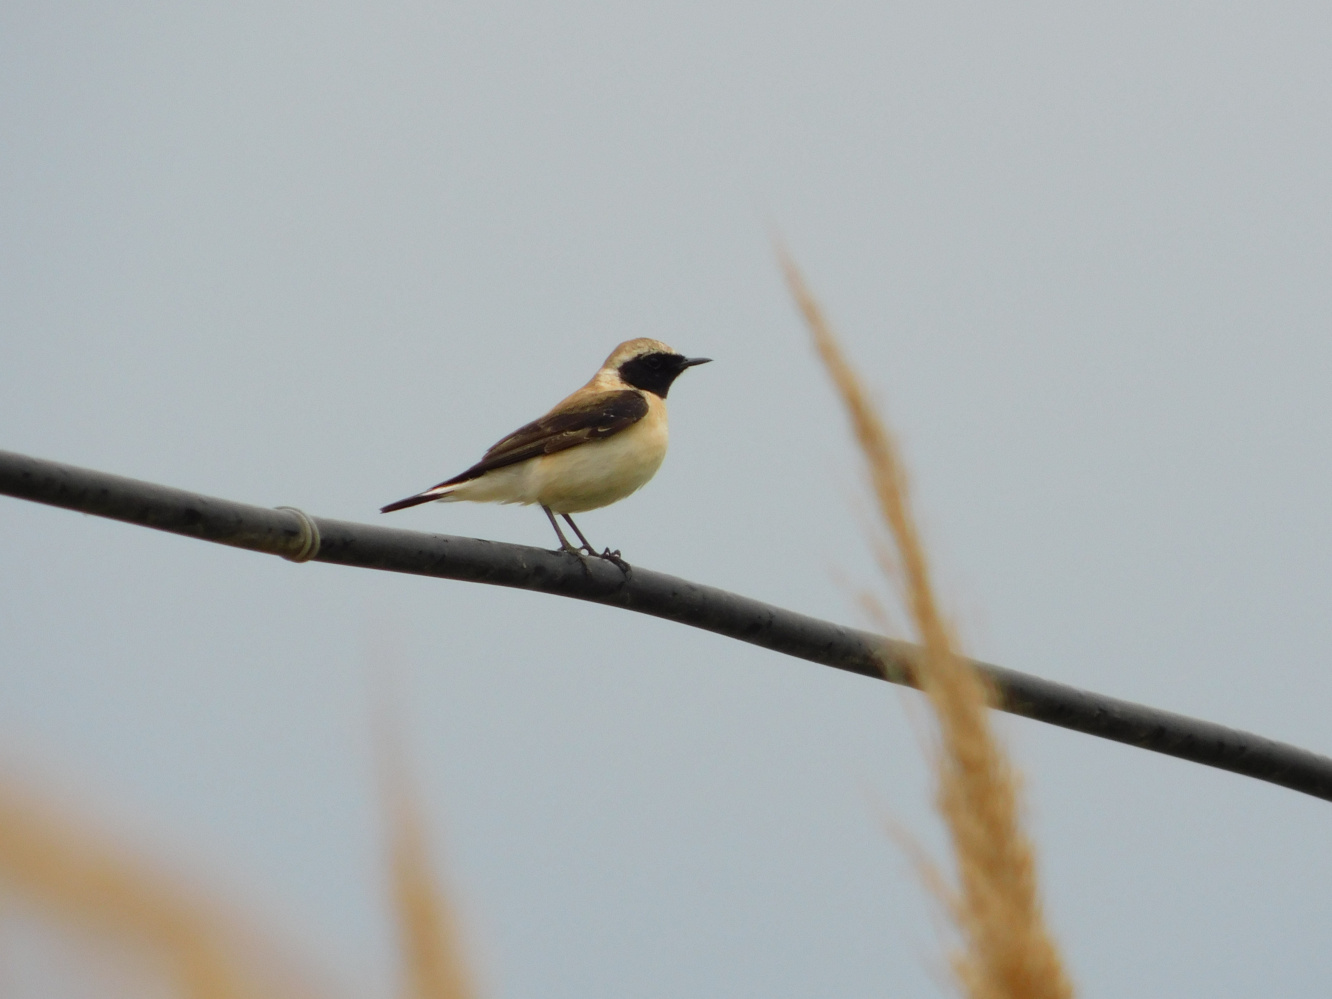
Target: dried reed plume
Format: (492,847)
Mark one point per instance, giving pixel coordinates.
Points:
(53,860)
(1007,952)
(433,958)
(57,862)
(432,954)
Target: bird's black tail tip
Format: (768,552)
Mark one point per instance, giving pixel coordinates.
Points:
(403,504)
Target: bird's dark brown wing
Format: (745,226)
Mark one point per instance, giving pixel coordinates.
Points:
(596,418)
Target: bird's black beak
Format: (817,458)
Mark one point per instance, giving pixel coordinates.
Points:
(689,362)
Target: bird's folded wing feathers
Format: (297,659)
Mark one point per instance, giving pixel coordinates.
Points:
(595,418)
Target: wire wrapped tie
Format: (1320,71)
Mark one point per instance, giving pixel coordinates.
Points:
(309,536)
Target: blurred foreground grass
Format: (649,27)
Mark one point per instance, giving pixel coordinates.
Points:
(1006,950)
(111,921)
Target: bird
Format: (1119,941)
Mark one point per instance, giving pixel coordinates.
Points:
(602,443)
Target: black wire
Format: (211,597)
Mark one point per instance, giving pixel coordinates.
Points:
(281,532)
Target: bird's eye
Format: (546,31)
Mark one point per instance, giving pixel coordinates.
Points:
(653,361)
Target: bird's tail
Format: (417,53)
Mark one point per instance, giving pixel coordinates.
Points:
(438,492)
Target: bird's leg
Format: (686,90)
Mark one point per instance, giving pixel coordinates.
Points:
(564,542)
(608,555)
(587,545)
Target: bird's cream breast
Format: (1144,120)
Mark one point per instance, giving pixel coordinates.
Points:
(601,472)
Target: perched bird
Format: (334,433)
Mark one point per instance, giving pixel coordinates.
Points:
(596,447)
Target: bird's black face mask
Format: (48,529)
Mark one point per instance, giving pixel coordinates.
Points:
(655,372)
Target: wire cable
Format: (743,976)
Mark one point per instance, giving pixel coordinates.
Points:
(295,535)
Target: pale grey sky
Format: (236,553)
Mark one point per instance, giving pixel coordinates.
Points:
(325,254)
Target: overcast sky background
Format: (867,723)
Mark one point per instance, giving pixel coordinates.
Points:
(325,254)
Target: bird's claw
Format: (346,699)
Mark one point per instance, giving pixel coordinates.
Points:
(585,551)
(614,557)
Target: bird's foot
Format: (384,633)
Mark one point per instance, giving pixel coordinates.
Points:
(577,553)
(614,557)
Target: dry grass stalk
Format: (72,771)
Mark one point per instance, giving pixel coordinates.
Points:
(432,950)
(1007,950)
(56,861)
(53,860)
(433,957)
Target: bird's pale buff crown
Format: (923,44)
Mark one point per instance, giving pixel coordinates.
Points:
(636,348)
